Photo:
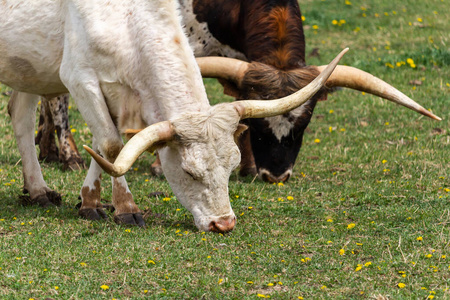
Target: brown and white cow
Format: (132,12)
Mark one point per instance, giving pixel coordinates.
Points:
(128,65)
(269,35)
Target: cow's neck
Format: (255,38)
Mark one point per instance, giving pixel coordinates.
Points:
(161,79)
(262,30)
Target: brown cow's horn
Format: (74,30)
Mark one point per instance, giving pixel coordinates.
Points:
(354,78)
(140,142)
(262,108)
(222,67)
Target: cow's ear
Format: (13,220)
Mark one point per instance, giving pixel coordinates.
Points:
(229,88)
(240,129)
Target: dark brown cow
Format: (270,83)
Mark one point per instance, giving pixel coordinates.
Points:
(269,35)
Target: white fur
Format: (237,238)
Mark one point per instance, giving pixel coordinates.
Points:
(125,61)
(281,126)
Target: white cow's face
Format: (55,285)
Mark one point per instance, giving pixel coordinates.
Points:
(198,164)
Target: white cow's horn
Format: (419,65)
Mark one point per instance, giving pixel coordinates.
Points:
(356,79)
(222,67)
(139,143)
(264,108)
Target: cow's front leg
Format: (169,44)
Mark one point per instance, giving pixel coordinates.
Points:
(91,207)
(91,103)
(247,166)
(68,151)
(126,211)
(22,109)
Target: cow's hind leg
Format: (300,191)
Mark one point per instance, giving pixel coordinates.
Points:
(68,151)
(22,109)
(48,151)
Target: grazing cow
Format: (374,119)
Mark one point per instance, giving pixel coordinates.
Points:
(128,65)
(268,34)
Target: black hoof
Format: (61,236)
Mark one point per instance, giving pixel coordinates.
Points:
(107,206)
(48,200)
(54,198)
(130,219)
(92,214)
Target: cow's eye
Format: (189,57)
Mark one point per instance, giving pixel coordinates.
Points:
(190,174)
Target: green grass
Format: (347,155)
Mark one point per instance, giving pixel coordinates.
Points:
(280,248)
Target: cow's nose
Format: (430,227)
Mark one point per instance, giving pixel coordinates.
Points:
(269,177)
(222,225)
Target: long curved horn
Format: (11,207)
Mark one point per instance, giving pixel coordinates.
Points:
(356,79)
(222,67)
(140,142)
(270,108)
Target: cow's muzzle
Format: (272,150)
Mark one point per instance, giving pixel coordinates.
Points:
(222,225)
(267,176)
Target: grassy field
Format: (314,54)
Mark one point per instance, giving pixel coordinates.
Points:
(366,214)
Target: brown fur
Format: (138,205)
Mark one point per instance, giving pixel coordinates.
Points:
(91,198)
(123,200)
(263,81)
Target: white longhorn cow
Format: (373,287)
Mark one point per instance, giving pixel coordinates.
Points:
(128,65)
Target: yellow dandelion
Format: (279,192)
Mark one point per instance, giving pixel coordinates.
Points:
(341,252)
(315,27)
(104,287)
(249,282)
(303,18)
(367,263)
(151,262)
(334,22)
(419,19)
(330,220)
(351,225)
(323,287)
(401,285)
(290,198)
(358,268)
(429,255)
(220,281)
(331,111)
(261,296)
(56,287)
(419,238)
(317,141)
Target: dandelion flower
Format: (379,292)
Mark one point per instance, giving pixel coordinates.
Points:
(104,287)
(401,285)
(316,141)
(419,238)
(351,225)
(341,252)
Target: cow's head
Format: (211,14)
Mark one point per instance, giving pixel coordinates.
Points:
(276,141)
(199,152)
